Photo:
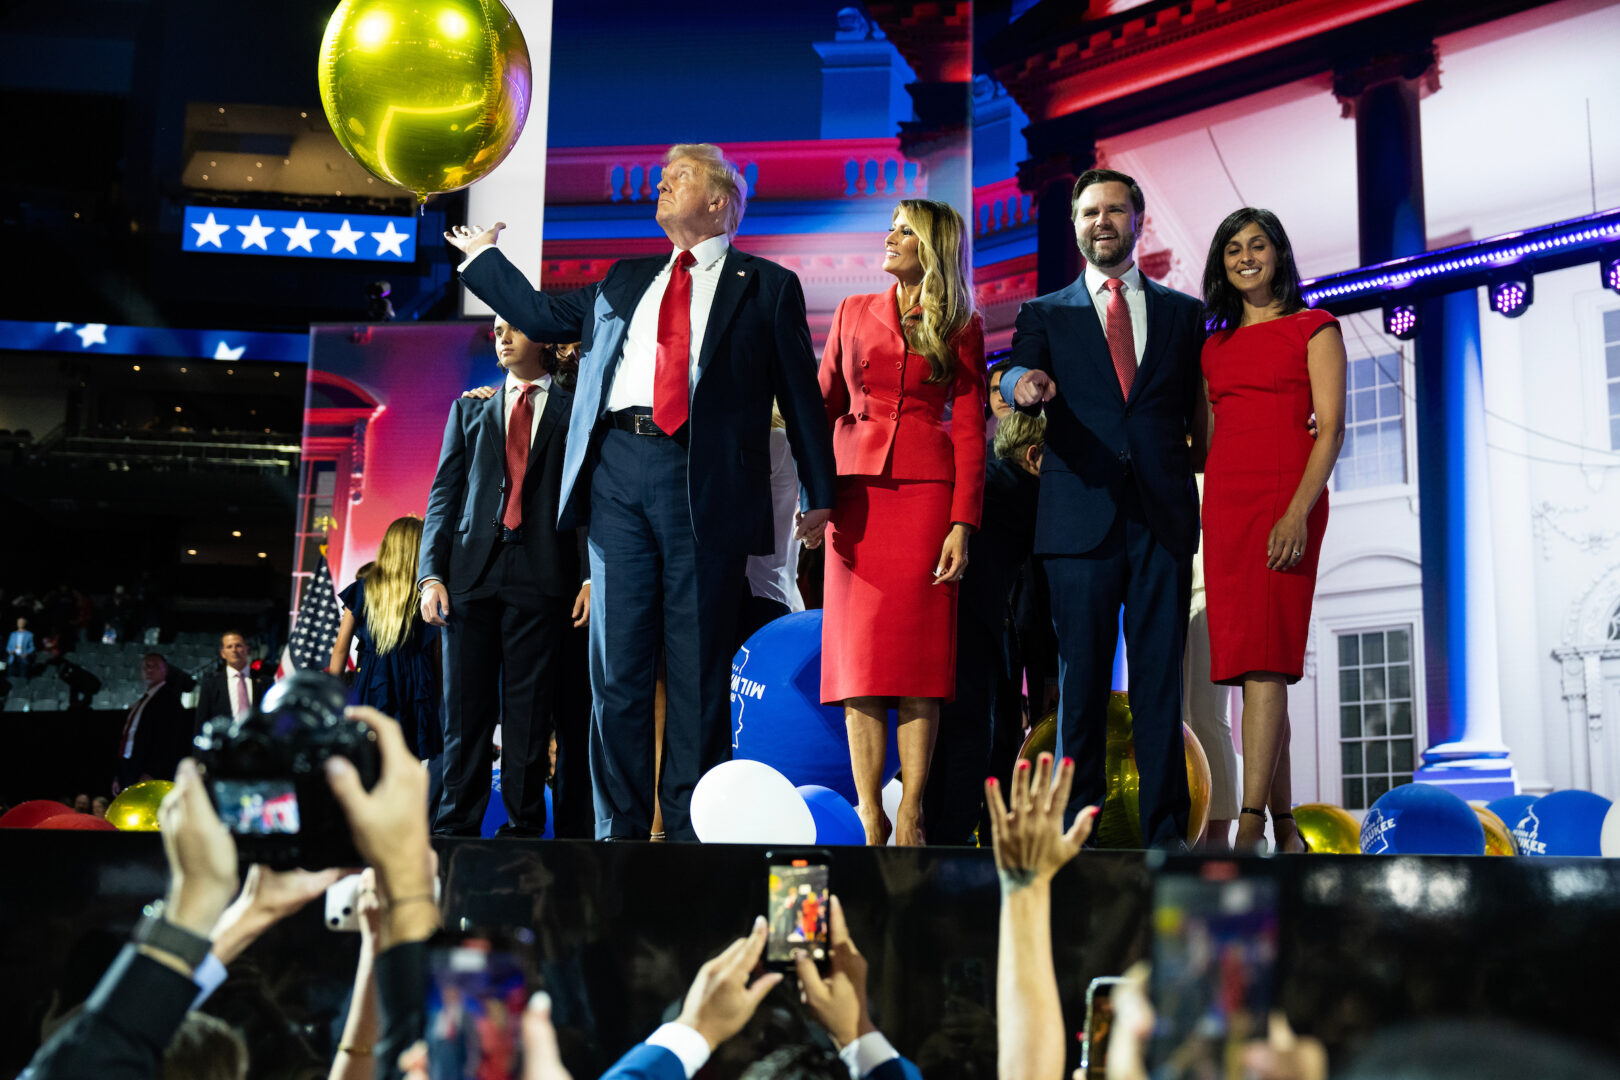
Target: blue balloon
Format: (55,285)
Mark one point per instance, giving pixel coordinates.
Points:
(1511,808)
(776,711)
(1563,823)
(836,820)
(495,812)
(1421,819)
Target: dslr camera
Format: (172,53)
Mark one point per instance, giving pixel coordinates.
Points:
(266,773)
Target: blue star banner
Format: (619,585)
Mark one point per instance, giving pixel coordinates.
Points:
(230,230)
(281,348)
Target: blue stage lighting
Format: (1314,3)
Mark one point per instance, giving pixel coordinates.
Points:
(1609,267)
(1512,293)
(1467,266)
(1401,321)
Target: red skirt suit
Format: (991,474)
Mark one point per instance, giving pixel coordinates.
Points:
(1261,392)
(905,473)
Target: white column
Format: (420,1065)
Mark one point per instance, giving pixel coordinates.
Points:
(516,191)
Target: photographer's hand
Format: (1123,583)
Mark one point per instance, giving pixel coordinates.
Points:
(267,897)
(838,1002)
(390,829)
(201,854)
(722,999)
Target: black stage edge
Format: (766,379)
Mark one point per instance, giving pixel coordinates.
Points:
(620,929)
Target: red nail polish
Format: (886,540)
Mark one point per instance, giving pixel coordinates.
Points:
(1022,765)
(1068,761)
(990,780)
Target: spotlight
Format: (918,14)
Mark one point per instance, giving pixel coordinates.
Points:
(1609,267)
(1401,321)
(1512,293)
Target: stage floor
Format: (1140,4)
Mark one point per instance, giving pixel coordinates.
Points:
(619,930)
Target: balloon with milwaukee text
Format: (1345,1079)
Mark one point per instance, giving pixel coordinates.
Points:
(428,95)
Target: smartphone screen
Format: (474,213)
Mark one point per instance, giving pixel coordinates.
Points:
(1214,964)
(257,807)
(474,1012)
(1099,1020)
(797,898)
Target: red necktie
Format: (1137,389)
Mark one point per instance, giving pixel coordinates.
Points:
(242,704)
(517,455)
(1121,342)
(672,377)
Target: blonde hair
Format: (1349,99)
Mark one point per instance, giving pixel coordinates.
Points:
(391,586)
(947,292)
(1016,433)
(722,177)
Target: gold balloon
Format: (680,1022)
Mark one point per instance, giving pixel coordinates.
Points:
(1328,829)
(136,807)
(1498,837)
(428,95)
(1120,823)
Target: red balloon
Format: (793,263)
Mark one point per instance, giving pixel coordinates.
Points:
(26,815)
(80,822)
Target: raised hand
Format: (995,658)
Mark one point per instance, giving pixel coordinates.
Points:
(469,239)
(481,393)
(267,897)
(201,854)
(1029,840)
(722,999)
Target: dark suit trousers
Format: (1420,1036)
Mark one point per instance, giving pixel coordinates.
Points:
(654,590)
(573,811)
(1132,568)
(502,650)
(954,797)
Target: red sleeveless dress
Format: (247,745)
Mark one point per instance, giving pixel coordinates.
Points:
(1261,393)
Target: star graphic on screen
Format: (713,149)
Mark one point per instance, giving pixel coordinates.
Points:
(225,352)
(93,334)
(253,234)
(343,238)
(300,235)
(209,232)
(388,240)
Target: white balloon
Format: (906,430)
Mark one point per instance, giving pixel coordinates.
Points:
(748,802)
(891,804)
(1609,839)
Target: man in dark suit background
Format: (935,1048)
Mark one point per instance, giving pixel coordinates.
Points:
(681,356)
(1115,359)
(504,582)
(156,733)
(235,687)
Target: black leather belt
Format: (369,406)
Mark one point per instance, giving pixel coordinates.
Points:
(636,421)
(504,535)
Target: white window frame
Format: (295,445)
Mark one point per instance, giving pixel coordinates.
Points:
(1329,751)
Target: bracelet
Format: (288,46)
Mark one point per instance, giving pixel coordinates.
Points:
(429,897)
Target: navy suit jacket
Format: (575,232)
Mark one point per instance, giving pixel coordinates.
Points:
(1096,442)
(464,505)
(756,347)
(645,1062)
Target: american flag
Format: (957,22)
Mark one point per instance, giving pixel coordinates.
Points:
(315,627)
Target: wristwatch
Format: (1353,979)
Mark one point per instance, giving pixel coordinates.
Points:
(160,933)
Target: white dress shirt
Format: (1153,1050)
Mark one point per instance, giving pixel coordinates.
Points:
(776,576)
(232,678)
(134,721)
(633,378)
(1135,300)
(514,387)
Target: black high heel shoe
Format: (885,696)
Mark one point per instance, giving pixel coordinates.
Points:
(1306,844)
